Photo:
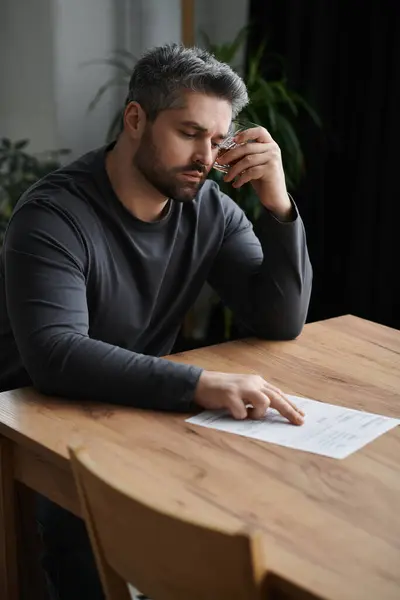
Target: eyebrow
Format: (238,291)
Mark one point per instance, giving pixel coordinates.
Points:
(198,127)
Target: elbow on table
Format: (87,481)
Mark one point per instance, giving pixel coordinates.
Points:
(46,383)
(48,376)
(50,365)
(281,330)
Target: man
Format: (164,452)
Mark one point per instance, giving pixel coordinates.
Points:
(103,258)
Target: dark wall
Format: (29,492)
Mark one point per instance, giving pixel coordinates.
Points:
(344,57)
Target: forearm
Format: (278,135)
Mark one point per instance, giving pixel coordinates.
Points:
(282,288)
(77,367)
(45,274)
(280,291)
(265,276)
(269,278)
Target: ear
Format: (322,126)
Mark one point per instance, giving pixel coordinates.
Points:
(134,120)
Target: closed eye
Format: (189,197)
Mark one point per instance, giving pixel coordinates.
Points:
(192,136)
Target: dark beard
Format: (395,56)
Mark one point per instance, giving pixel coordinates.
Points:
(146,160)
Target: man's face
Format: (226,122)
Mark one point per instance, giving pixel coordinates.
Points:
(177,150)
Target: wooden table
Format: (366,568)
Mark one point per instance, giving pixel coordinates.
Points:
(332,526)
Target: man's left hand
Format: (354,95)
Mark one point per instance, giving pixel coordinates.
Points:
(260,163)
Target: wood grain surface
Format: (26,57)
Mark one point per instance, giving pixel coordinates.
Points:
(331,526)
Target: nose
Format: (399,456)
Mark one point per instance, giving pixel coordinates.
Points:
(204,154)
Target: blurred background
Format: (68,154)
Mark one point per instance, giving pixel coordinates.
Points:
(323,77)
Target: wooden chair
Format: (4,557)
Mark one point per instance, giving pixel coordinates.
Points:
(165,539)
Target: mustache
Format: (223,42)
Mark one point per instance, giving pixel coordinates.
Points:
(202,169)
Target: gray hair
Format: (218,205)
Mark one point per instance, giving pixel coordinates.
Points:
(164,72)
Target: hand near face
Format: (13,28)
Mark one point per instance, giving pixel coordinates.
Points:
(257,159)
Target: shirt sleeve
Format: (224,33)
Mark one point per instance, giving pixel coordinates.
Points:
(46,264)
(264,274)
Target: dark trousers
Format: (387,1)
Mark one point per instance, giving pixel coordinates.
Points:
(67,557)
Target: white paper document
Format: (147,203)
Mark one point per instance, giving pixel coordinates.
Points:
(328,429)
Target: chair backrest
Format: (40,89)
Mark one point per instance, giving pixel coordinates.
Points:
(157,534)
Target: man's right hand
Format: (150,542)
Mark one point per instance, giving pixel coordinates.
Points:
(236,392)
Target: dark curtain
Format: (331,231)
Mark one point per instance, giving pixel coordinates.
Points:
(343,56)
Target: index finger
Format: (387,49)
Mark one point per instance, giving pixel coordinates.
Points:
(276,389)
(285,408)
(256,134)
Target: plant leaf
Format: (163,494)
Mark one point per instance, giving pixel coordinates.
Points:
(253,115)
(21,144)
(104,88)
(254,63)
(285,96)
(292,154)
(239,40)
(114,62)
(114,126)
(227,51)
(126,54)
(272,117)
(267,91)
(311,112)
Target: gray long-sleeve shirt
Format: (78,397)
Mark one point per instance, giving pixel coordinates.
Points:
(91,297)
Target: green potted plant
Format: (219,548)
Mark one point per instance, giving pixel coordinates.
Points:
(18,171)
(273,104)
